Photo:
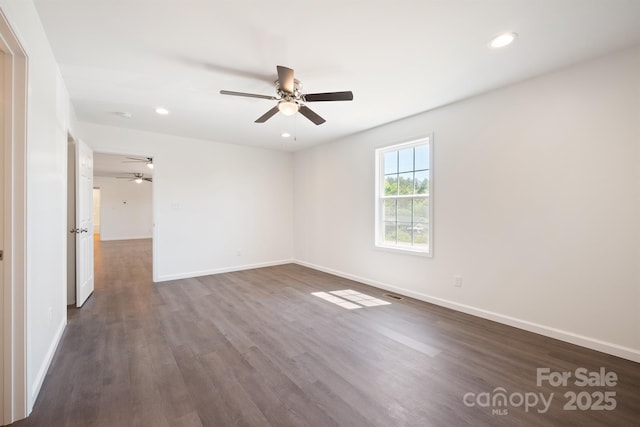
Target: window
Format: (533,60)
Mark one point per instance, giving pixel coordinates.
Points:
(403,197)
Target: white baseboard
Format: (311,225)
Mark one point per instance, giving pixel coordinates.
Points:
(166,277)
(570,337)
(108,239)
(42,372)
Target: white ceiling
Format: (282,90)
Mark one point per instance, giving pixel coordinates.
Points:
(398,57)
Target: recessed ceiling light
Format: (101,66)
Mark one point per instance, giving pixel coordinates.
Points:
(162,111)
(285,134)
(503,40)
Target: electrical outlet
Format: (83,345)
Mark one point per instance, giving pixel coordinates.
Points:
(457,281)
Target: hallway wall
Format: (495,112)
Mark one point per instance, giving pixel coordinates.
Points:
(126,210)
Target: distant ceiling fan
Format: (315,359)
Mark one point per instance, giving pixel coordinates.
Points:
(137,177)
(147,160)
(290,98)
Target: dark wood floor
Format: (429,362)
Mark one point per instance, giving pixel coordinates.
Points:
(255,348)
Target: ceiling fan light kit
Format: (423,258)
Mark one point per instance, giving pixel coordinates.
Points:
(137,178)
(290,98)
(288,108)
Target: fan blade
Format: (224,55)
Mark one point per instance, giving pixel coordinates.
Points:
(124,177)
(329,96)
(137,159)
(248,95)
(266,116)
(309,114)
(148,179)
(285,77)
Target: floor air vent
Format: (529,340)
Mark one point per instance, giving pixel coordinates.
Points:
(393,296)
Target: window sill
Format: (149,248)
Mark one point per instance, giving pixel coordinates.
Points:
(401,250)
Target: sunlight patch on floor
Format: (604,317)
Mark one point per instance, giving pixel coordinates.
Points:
(360,298)
(355,299)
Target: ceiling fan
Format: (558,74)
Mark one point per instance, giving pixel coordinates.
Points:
(137,177)
(291,99)
(147,160)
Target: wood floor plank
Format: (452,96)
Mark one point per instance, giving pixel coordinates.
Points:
(256,348)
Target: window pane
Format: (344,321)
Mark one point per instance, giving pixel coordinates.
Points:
(405,160)
(405,213)
(420,234)
(420,210)
(390,232)
(391,162)
(422,182)
(390,185)
(390,210)
(404,233)
(405,183)
(422,157)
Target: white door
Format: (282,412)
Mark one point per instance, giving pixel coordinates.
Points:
(84,219)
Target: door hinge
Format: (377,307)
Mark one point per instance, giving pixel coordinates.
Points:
(1,255)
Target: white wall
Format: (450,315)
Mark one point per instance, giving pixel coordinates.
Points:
(126,210)
(49,114)
(217,207)
(537,206)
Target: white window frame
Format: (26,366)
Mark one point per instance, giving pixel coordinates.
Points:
(380,198)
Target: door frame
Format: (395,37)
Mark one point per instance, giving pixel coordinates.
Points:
(71,221)
(13,340)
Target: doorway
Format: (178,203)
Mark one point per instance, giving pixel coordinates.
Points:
(126,195)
